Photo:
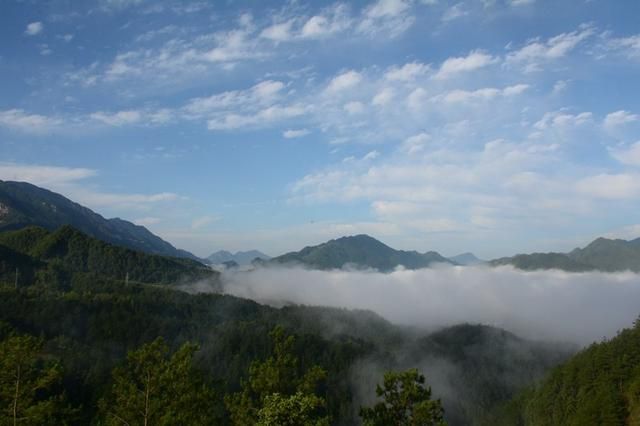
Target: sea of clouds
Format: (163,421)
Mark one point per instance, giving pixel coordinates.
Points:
(550,305)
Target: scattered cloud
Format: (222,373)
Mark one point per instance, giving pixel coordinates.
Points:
(619,118)
(536,51)
(202,222)
(44,175)
(21,121)
(34,28)
(344,81)
(407,72)
(629,155)
(473,61)
(295,133)
(454,12)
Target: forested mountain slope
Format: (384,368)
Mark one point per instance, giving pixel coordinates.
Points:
(23,204)
(60,253)
(360,251)
(598,386)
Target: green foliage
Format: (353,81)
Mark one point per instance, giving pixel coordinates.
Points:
(298,409)
(276,393)
(52,257)
(29,385)
(153,388)
(405,402)
(359,250)
(600,385)
(602,254)
(534,261)
(28,205)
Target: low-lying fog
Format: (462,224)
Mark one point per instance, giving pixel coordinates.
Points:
(575,307)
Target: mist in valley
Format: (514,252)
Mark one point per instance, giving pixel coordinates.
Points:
(542,305)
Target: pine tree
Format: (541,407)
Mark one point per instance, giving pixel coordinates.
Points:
(405,402)
(153,388)
(29,391)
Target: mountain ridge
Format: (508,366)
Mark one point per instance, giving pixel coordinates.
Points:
(23,204)
(361,251)
(240,257)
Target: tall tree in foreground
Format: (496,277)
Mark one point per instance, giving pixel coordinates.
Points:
(153,388)
(405,402)
(275,394)
(29,385)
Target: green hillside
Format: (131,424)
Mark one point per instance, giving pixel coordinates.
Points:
(68,250)
(530,262)
(360,251)
(602,254)
(598,386)
(23,204)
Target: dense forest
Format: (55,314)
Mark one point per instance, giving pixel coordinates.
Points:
(598,386)
(87,333)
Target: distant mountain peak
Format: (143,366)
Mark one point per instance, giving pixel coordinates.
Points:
(361,251)
(465,259)
(241,258)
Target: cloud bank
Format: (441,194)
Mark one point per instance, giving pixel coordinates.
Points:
(555,305)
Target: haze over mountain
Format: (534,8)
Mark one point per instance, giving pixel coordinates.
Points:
(602,254)
(23,204)
(466,259)
(360,251)
(240,257)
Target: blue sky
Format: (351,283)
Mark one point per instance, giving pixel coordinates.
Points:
(493,126)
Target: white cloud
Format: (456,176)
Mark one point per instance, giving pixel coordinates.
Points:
(555,47)
(354,107)
(262,117)
(202,222)
(629,46)
(278,32)
(344,81)
(473,61)
(383,97)
(332,21)
(521,2)
(371,156)
(611,186)
(407,72)
(560,86)
(515,89)
(34,28)
(19,120)
(388,17)
(117,119)
(619,118)
(628,155)
(416,143)
(454,12)
(147,221)
(559,119)
(462,96)
(122,201)
(416,99)
(580,308)
(44,175)
(295,133)
(261,94)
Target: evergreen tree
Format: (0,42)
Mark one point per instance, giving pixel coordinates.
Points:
(405,402)
(29,385)
(153,388)
(276,394)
